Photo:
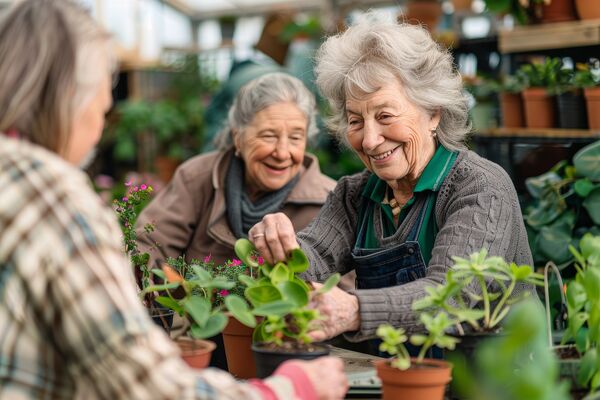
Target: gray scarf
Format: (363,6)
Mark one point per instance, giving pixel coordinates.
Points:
(242,213)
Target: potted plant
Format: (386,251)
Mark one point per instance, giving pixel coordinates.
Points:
(512,7)
(189,289)
(518,365)
(583,311)
(483,112)
(565,206)
(569,100)
(127,209)
(539,103)
(587,77)
(511,102)
(281,298)
(495,280)
(418,378)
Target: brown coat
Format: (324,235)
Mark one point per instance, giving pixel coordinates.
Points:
(190,217)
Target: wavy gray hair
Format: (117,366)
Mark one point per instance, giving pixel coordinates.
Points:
(374,51)
(53,53)
(262,92)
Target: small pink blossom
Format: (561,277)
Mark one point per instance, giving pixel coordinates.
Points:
(260,260)
(129,183)
(235,262)
(143,187)
(135,189)
(223,292)
(207,259)
(125,199)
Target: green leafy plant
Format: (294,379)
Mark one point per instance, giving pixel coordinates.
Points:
(308,28)
(549,74)
(515,366)
(583,310)
(127,209)
(565,206)
(393,339)
(587,75)
(496,281)
(513,7)
(189,290)
(281,297)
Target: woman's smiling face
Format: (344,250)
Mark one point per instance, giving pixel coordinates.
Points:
(391,135)
(272,147)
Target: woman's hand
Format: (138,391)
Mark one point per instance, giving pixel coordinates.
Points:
(274,237)
(340,310)
(326,375)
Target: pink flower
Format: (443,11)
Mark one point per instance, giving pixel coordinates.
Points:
(125,199)
(235,262)
(135,189)
(223,292)
(207,259)
(260,260)
(129,183)
(143,187)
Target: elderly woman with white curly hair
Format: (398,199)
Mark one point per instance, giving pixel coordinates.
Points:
(398,102)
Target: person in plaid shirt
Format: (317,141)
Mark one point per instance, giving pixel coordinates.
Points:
(71,323)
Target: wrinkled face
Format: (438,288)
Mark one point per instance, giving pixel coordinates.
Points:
(88,123)
(391,135)
(272,147)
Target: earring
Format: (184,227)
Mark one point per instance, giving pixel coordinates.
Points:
(434,132)
(237,153)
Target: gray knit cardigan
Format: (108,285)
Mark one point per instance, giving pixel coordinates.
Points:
(476,208)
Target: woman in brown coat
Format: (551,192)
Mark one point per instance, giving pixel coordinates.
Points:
(261,167)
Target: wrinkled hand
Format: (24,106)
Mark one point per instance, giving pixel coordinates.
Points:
(327,377)
(340,310)
(274,237)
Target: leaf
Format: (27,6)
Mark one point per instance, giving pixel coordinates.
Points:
(576,296)
(170,303)
(536,185)
(418,340)
(587,366)
(214,325)
(280,273)
(201,273)
(583,187)
(159,273)
(240,310)
(297,261)
(262,294)
(592,205)
(244,249)
(278,308)
(293,292)
(259,334)
(554,243)
(301,283)
(198,308)
(246,280)
(160,288)
(332,281)
(587,161)
(589,245)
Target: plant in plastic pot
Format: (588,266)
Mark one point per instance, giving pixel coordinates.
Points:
(587,77)
(281,298)
(417,378)
(189,290)
(488,282)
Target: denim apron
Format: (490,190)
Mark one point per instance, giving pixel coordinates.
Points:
(393,266)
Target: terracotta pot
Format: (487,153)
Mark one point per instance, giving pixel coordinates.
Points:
(461,5)
(237,339)
(196,353)
(592,99)
(511,107)
(559,11)
(426,12)
(426,381)
(588,9)
(165,168)
(539,108)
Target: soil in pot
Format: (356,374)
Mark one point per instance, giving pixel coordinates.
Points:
(569,360)
(195,352)
(237,340)
(422,381)
(268,356)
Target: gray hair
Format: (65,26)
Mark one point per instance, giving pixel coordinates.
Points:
(374,51)
(262,92)
(53,54)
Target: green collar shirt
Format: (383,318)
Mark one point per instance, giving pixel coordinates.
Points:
(429,183)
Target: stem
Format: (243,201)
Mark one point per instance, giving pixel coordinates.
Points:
(503,300)
(424,349)
(486,301)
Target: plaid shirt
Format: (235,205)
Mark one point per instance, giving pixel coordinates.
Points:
(71,323)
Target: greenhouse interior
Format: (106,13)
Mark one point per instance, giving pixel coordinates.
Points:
(300,199)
